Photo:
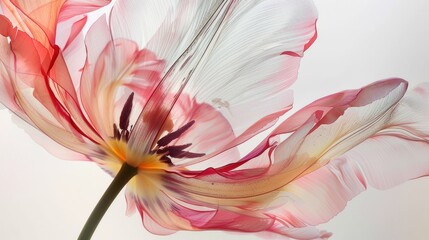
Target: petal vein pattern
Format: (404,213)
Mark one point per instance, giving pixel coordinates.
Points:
(220,65)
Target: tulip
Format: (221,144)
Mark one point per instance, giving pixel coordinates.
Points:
(167,92)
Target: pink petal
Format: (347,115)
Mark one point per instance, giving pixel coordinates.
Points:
(382,161)
(69,31)
(7,93)
(55,93)
(72,8)
(320,195)
(343,127)
(210,133)
(31,91)
(113,69)
(398,152)
(24,22)
(70,40)
(168,209)
(47,13)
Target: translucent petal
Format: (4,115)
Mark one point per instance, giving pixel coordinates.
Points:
(381,162)
(269,194)
(113,70)
(222,63)
(165,27)
(210,133)
(25,63)
(47,13)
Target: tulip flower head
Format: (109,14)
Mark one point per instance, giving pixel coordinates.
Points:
(162,95)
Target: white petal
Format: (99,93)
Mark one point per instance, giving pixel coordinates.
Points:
(237,61)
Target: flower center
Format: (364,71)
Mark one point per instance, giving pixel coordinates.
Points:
(160,157)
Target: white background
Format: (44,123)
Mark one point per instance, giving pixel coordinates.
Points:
(42,197)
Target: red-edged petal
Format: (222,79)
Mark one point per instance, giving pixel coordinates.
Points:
(395,154)
(36,98)
(112,70)
(47,13)
(266,194)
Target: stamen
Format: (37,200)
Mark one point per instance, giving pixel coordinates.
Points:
(124,119)
(116,133)
(174,135)
(186,154)
(125,135)
(173,148)
(178,152)
(167,160)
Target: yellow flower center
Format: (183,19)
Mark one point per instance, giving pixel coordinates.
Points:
(119,153)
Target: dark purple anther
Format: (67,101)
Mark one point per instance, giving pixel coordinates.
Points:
(174,135)
(167,160)
(173,148)
(124,119)
(185,154)
(125,135)
(116,133)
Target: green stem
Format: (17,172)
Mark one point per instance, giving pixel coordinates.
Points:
(124,175)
